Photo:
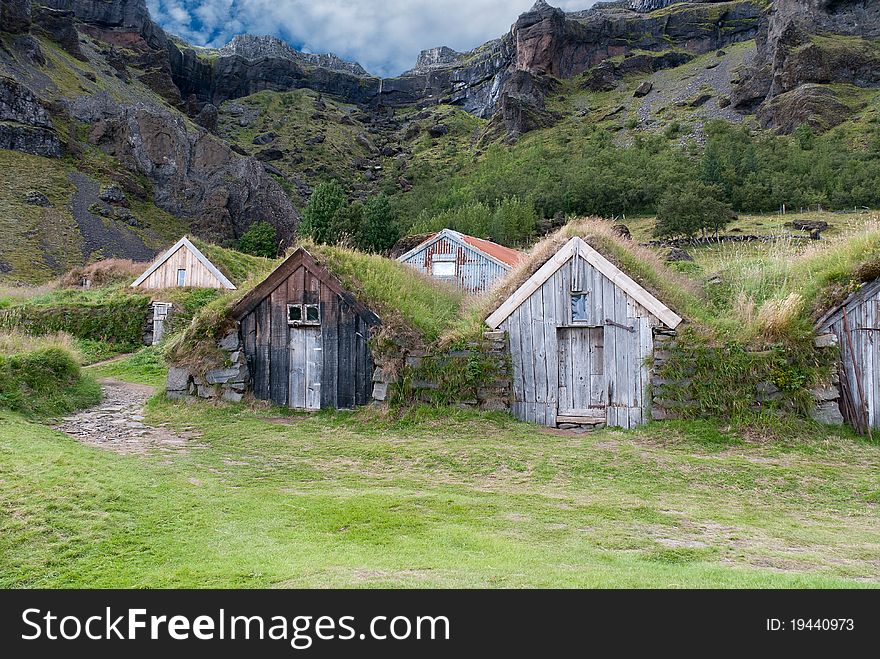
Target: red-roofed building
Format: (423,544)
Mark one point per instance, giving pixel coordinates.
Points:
(473,264)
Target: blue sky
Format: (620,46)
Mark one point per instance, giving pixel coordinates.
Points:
(385,36)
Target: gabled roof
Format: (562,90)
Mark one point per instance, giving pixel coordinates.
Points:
(835,313)
(300,257)
(572,249)
(504,256)
(185,242)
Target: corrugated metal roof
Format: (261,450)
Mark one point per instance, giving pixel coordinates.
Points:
(504,254)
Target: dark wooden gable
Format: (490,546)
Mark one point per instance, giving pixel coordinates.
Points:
(347,365)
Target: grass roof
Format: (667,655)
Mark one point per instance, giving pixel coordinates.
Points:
(237,266)
(398,293)
(640,263)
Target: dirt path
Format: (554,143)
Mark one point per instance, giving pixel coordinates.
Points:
(117,423)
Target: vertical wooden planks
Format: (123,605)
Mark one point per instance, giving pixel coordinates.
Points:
(345,377)
(313,367)
(539,355)
(279,353)
(551,353)
(330,342)
(297,369)
(262,341)
(524,319)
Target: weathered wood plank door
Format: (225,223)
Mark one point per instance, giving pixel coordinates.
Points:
(581,372)
(306,361)
(161,311)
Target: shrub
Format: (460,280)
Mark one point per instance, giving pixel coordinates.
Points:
(45,382)
(694,208)
(120,319)
(261,239)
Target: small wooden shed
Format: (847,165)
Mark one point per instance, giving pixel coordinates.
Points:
(472,264)
(182,265)
(581,334)
(306,338)
(856,324)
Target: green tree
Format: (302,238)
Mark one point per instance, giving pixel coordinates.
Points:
(805,137)
(346,223)
(379,230)
(260,239)
(691,209)
(319,216)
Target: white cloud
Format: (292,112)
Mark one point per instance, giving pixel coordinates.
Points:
(385,36)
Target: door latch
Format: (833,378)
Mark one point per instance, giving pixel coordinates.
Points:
(628,328)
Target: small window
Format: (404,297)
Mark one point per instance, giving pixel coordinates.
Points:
(443,268)
(303,314)
(181,277)
(579,308)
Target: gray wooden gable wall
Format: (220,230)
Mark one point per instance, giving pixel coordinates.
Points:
(347,364)
(539,365)
(475,272)
(860,356)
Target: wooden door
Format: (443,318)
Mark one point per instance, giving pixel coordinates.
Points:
(581,374)
(306,361)
(161,311)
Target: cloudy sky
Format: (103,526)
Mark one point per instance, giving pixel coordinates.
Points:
(385,36)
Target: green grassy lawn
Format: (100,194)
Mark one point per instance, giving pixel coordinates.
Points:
(438,498)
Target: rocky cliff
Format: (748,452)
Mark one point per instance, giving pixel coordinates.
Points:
(803,46)
(51,108)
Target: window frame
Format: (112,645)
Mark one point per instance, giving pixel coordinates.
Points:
(304,308)
(179,282)
(444,259)
(586,319)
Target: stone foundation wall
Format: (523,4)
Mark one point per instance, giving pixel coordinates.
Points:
(665,405)
(232,382)
(228,384)
(420,382)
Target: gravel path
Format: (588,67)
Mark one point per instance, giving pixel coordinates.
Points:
(117,423)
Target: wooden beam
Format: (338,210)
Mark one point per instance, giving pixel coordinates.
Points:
(532,284)
(628,285)
(592,420)
(577,246)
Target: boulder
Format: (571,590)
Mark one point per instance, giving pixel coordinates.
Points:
(438,130)
(643,89)
(827,413)
(676,254)
(264,138)
(113,194)
(621,230)
(207,117)
(15,16)
(25,124)
(36,198)
(178,379)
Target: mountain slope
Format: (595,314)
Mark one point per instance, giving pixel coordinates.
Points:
(99,97)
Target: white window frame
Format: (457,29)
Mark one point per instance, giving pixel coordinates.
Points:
(444,260)
(586,296)
(304,314)
(181,281)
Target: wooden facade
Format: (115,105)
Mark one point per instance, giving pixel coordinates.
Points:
(856,324)
(472,264)
(306,339)
(581,334)
(182,265)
